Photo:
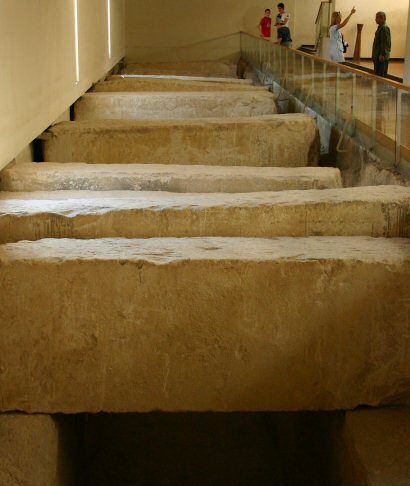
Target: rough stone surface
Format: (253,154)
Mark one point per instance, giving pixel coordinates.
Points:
(37,450)
(172,178)
(173,106)
(376,445)
(194,68)
(136,325)
(369,211)
(123,84)
(170,77)
(275,140)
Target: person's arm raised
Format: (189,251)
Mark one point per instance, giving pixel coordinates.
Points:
(346,20)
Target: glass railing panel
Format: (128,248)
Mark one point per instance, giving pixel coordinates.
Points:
(385,105)
(329,92)
(345,84)
(403,117)
(319,93)
(298,75)
(307,78)
(291,55)
(373,111)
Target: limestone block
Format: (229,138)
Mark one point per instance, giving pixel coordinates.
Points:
(275,140)
(173,178)
(368,211)
(38,450)
(171,106)
(200,324)
(375,448)
(170,77)
(123,84)
(194,68)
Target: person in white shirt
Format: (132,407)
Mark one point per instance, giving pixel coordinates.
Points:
(283,18)
(337,49)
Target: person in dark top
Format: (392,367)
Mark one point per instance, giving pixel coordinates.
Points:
(265,25)
(284,38)
(381,46)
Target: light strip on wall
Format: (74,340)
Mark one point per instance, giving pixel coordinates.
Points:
(109,28)
(77,49)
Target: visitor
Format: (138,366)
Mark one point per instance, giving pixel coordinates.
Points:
(381,46)
(284,37)
(283,18)
(337,45)
(265,25)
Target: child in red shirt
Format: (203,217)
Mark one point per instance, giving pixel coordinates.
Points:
(265,25)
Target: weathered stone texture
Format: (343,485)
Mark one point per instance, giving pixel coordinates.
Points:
(275,140)
(172,178)
(368,211)
(38,450)
(203,324)
(123,84)
(375,447)
(173,106)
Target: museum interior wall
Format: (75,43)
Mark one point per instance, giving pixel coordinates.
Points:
(397,13)
(38,79)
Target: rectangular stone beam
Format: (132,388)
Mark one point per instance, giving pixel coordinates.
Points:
(173,105)
(374,448)
(122,325)
(193,68)
(172,178)
(276,140)
(379,211)
(170,77)
(40,450)
(123,84)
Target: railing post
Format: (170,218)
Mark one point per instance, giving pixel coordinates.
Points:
(374,113)
(280,62)
(337,96)
(312,64)
(302,85)
(398,129)
(324,88)
(354,98)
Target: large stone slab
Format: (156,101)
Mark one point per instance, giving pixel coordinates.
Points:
(169,77)
(193,68)
(136,325)
(368,211)
(276,140)
(171,106)
(39,450)
(375,447)
(172,178)
(123,84)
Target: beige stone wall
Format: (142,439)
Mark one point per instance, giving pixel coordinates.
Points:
(38,80)
(397,13)
(190,30)
(185,30)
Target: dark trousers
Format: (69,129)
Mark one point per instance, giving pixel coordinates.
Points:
(381,68)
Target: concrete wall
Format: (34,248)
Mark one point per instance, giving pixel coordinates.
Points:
(38,66)
(397,13)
